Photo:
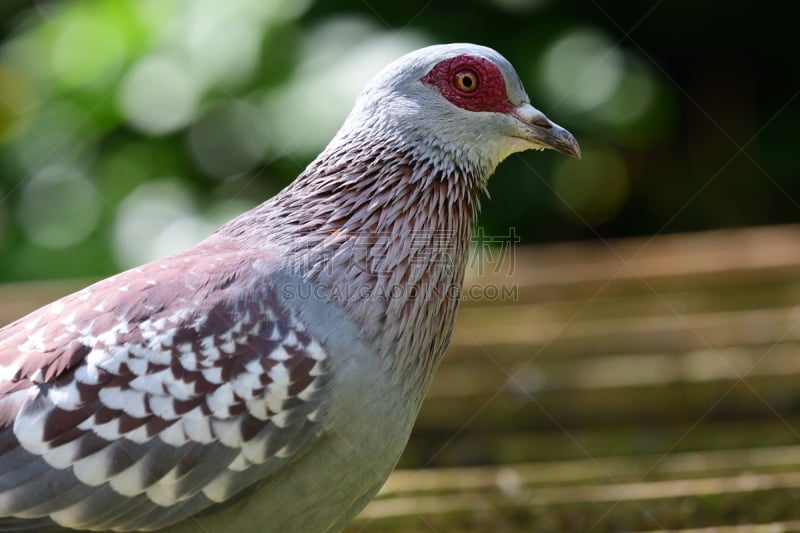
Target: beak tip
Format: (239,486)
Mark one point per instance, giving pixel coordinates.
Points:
(568,145)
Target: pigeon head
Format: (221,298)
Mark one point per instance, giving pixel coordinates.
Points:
(463,102)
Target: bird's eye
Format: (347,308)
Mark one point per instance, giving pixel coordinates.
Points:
(466,80)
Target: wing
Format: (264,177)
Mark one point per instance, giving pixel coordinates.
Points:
(154,394)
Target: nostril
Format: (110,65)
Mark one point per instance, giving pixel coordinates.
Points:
(533,117)
(542,122)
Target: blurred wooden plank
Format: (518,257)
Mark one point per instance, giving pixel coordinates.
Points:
(534,374)
(509,487)
(711,257)
(516,326)
(596,470)
(603,492)
(472,441)
(772,527)
(600,507)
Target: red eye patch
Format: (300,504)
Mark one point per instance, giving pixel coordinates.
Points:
(484,88)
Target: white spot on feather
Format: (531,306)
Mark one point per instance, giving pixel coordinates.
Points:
(138,435)
(185,347)
(130,481)
(279,354)
(279,375)
(163,407)
(219,488)
(199,322)
(163,494)
(137,365)
(179,389)
(254,366)
(62,456)
(68,320)
(254,450)
(290,339)
(195,413)
(153,354)
(315,351)
(245,383)
(87,374)
(151,383)
(283,452)
(36,377)
(173,435)
(258,408)
(240,464)
(34,342)
(228,431)
(65,396)
(198,430)
(306,393)
(131,401)
(108,431)
(92,469)
(189,361)
(208,348)
(213,375)
(280,418)
(70,517)
(275,334)
(108,361)
(34,323)
(29,430)
(221,398)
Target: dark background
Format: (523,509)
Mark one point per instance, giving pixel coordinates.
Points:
(687,113)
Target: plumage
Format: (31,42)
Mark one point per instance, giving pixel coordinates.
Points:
(268,378)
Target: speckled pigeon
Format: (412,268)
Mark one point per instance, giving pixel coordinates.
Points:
(268,378)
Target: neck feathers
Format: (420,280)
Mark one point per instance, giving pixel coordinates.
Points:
(386,232)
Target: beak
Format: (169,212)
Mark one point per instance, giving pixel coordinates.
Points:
(543,133)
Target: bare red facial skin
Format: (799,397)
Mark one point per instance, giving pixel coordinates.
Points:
(489,95)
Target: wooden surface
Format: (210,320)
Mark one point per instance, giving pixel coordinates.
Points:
(635,385)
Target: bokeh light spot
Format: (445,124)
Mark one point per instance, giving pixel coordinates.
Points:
(581,70)
(87,49)
(144,215)
(158,96)
(632,101)
(338,59)
(228,140)
(204,30)
(58,207)
(61,131)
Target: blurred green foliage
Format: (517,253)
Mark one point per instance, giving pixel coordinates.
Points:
(131,128)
